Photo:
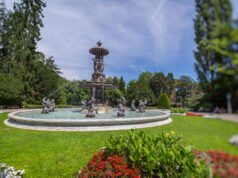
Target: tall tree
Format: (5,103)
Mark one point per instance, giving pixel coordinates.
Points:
(185,86)
(122,84)
(212,22)
(159,83)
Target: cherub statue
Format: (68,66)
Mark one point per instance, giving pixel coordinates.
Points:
(91,109)
(142,105)
(133,108)
(121,110)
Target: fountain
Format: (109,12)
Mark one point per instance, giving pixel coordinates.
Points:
(98,84)
(96,116)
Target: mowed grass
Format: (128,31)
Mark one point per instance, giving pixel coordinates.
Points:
(62,154)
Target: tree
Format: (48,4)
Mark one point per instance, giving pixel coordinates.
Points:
(115,81)
(74,94)
(140,89)
(122,84)
(159,83)
(19,35)
(113,96)
(109,79)
(213,21)
(185,86)
(171,83)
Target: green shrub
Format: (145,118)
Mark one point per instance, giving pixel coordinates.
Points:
(64,106)
(161,156)
(164,101)
(33,106)
(179,110)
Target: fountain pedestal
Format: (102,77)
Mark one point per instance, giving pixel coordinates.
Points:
(98,84)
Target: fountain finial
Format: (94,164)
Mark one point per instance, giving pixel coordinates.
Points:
(99,43)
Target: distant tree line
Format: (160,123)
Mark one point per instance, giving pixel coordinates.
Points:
(217,52)
(149,86)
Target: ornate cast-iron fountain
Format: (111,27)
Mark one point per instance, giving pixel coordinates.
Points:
(98,83)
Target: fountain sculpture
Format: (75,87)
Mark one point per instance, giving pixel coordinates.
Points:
(142,106)
(91,110)
(83,104)
(98,83)
(121,107)
(133,108)
(48,105)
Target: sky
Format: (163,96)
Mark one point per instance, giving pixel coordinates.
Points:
(141,35)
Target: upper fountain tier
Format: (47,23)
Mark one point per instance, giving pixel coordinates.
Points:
(98,83)
(98,50)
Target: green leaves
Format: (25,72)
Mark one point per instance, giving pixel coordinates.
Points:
(161,156)
(163,102)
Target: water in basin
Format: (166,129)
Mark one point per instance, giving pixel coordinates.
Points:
(76,114)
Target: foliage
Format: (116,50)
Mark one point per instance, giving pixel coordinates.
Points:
(74,95)
(178,110)
(64,106)
(163,102)
(223,164)
(32,106)
(140,89)
(35,106)
(19,35)
(102,165)
(185,86)
(9,172)
(213,31)
(113,96)
(161,156)
(162,84)
(10,90)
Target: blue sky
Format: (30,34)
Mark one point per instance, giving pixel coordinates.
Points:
(141,35)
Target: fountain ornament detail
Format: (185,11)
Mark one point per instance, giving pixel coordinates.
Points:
(48,105)
(98,83)
(99,115)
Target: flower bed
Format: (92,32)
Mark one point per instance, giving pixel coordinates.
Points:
(138,155)
(10,172)
(103,165)
(223,164)
(193,114)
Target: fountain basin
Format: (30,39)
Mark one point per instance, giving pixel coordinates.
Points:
(23,119)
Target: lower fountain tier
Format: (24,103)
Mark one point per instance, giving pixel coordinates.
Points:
(98,90)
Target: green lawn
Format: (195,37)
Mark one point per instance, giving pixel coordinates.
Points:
(62,154)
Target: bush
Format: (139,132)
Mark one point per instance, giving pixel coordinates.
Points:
(161,156)
(178,110)
(11,89)
(33,106)
(164,102)
(65,106)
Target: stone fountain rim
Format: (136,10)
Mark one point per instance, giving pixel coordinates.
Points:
(14,117)
(80,125)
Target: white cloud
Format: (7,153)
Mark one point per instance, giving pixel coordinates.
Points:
(139,34)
